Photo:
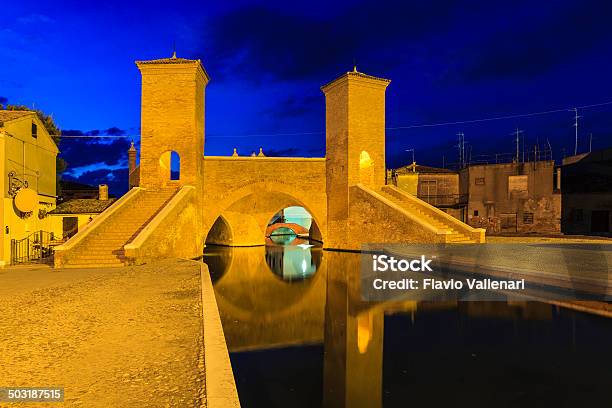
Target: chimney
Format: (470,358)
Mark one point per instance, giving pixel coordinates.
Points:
(103,192)
(131,165)
(132,158)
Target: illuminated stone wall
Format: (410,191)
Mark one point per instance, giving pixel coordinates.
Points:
(172,119)
(249,191)
(342,191)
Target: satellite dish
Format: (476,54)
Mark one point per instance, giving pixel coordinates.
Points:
(26,200)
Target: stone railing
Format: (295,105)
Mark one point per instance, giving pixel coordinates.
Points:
(171,233)
(63,252)
(376,219)
(477,234)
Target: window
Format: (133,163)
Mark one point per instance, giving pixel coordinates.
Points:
(479,181)
(527,218)
(518,184)
(70,226)
(475,213)
(34,130)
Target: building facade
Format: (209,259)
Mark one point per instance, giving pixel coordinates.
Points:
(28,182)
(71,216)
(502,197)
(586,181)
(512,197)
(437,186)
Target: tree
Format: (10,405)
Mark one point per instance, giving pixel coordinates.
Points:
(54,132)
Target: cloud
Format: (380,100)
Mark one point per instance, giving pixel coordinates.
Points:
(82,152)
(258,41)
(288,152)
(294,106)
(35,18)
(116,179)
(114,131)
(539,44)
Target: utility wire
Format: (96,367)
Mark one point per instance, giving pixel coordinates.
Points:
(521,115)
(418,126)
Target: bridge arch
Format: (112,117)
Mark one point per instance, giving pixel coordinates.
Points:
(280,227)
(220,233)
(246,212)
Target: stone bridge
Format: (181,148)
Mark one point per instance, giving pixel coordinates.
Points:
(242,194)
(297,229)
(185,199)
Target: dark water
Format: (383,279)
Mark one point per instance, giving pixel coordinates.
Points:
(300,336)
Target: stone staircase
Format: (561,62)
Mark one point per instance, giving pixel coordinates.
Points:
(103,247)
(457,232)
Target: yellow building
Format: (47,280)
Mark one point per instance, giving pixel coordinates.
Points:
(434,185)
(71,216)
(28,182)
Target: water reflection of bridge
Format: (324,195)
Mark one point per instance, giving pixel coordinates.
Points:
(261,311)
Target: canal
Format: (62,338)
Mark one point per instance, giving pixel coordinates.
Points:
(300,336)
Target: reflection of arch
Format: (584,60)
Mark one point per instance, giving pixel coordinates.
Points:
(170,165)
(366,168)
(272,312)
(293,263)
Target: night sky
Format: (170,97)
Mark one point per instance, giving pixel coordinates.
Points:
(448,61)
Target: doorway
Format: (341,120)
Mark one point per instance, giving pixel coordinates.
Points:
(600,221)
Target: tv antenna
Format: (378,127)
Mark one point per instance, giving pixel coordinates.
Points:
(576,126)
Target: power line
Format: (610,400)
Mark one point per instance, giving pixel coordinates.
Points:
(417,126)
(520,115)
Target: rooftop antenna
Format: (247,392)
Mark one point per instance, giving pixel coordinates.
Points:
(413,162)
(517,133)
(576,126)
(461,147)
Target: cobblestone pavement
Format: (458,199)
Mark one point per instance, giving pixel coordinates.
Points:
(120,337)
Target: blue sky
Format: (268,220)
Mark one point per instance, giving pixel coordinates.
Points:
(448,61)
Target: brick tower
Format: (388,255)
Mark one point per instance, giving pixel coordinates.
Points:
(355,144)
(172,120)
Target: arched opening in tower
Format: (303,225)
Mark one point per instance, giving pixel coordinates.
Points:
(170,165)
(366,168)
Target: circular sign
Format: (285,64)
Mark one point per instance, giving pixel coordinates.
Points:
(26,200)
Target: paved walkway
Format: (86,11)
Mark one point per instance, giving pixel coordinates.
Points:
(121,337)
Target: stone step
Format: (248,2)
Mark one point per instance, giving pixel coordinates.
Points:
(101,262)
(109,240)
(459,238)
(92,266)
(104,247)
